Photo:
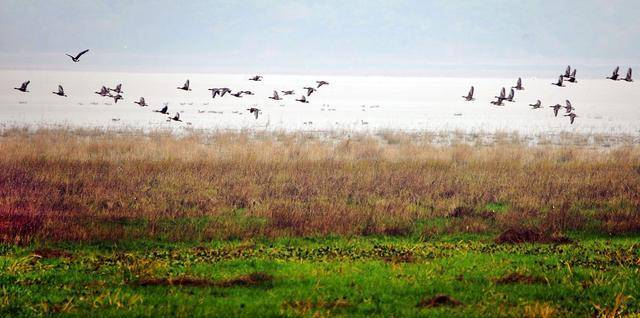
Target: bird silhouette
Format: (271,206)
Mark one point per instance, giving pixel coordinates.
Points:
(116,97)
(320,83)
(254,111)
(185,87)
(614,76)
(288,92)
(275,96)
(256,78)
(511,96)
(518,84)
(469,96)
(568,106)
(572,76)
(237,94)
(572,117)
(310,90)
(537,105)
(175,118)
(142,103)
(23,87)
(567,72)
(303,99)
(77,57)
(560,82)
(104,91)
(118,89)
(628,77)
(556,108)
(164,110)
(60,91)
(500,98)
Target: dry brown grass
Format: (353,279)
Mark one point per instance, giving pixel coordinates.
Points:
(88,185)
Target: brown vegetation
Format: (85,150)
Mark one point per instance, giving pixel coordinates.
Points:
(249,280)
(82,185)
(518,278)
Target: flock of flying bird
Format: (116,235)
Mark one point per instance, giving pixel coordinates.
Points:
(569,74)
(215,92)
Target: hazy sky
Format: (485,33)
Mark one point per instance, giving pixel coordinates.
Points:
(348,36)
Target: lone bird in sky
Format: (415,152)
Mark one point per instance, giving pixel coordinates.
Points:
(254,111)
(614,76)
(116,97)
(60,91)
(77,57)
(185,87)
(469,96)
(23,87)
(320,83)
(288,92)
(256,78)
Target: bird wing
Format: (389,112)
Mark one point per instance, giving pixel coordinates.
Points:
(186,84)
(81,53)
(568,103)
(568,70)
(471,92)
(573,73)
(255,113)
(615,71)
(275,95)
(60,89)
(24,85)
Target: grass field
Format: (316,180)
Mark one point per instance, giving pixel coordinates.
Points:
(268,224)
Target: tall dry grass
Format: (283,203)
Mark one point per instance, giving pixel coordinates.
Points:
(92,185)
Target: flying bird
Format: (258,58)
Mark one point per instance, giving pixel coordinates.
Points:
(512,94)
(256,78)
(560,82)
(626,79)
(176,117)
(537,105)
(572,76)
(116,97)
(500,98)
(568,106)
(556,108)
(223,91)
(614,76)
(214,92)
(142,103)
(164,110)
(23,87)
(185,87)
(320,83)
(518,84)
(303,99)
(77,57)
(275,96)
(469,96)
(60,91)
(309,90)
(104,91)
(572,117)
(247,92)
(118,89)
(567,72)
(288,92)
(237,94)
(254,111)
